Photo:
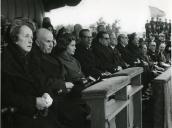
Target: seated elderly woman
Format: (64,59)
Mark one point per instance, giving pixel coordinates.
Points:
(72,110)
(22,101)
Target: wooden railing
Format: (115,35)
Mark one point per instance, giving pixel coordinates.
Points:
(162,100)
(134,96)
(116,102)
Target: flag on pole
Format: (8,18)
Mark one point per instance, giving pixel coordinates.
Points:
(156,12)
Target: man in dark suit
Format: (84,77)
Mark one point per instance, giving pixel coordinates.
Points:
(85,55)
(50,73)
(122,47)
(70,111)
(153,56)
(117,56)
(51,69)
(104,56)
(147,28)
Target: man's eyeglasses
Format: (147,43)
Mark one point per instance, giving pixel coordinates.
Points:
(106,38)
(125,37)
(153,45)
(161,36)
(89,37)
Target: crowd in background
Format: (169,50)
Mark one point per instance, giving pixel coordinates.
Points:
(156,26)
(44,71)
(159,31)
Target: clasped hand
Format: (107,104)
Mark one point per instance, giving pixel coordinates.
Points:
(44,102)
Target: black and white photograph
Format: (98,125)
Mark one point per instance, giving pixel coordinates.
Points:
(86,64)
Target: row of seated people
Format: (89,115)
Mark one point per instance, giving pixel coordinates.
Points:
(35,89)
(113,54)
(43,82)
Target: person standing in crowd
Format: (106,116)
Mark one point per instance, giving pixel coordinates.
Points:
(47,24)
(153,25)
(159,26)
(165,30)
(22,94)
(169,27)
(147,28)
(62,31)
(101,28)
(77,29)
(85,55)
(117,56)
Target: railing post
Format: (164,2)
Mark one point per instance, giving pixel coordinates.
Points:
(162,100)
(108,102)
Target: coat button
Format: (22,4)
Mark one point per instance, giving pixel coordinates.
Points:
(34,117)
(60,91)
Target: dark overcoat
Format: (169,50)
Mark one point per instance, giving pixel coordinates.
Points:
(87,60)
(117,58)
(19,91)
(72,110)
(128,54)
(104,58)
(72,67)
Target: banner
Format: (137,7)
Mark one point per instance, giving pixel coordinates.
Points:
(156,12)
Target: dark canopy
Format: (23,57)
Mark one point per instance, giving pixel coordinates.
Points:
(33,9)
(52,4)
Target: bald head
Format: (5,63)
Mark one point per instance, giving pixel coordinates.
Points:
(42,33)
(44,40)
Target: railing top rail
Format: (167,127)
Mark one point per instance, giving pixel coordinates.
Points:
(131,72)
(164,77)
(107,87)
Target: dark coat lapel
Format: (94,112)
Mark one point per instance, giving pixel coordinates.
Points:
(13,63)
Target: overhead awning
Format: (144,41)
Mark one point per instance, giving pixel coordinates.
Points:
(33,9)
(52,4)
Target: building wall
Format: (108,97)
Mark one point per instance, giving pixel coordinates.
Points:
(32,9)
